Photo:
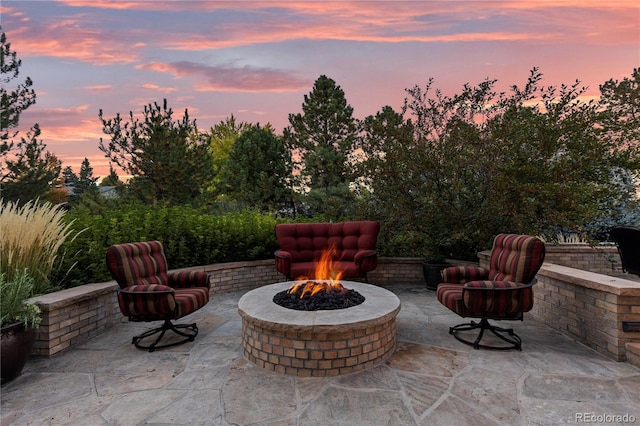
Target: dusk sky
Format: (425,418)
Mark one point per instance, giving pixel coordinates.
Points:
(256,60)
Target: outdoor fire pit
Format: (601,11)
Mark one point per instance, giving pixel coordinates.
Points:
(319,342)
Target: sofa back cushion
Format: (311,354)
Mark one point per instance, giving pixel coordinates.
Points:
(307,241)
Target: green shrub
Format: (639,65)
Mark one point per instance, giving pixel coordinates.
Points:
(190,236)
(13,295)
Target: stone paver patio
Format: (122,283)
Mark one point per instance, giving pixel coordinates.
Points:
(432,379)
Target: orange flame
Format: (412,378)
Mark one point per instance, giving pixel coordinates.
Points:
(327,277)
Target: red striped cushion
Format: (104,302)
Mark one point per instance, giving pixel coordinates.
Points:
(184,279)
(503,303)
(189,300)
(462,274)
(516,258)
(159,301)
(137,263)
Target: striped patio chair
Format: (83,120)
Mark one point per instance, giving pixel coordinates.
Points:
(148,292)
(501,292)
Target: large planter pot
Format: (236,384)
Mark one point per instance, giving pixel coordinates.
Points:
(17,342)
(433,273)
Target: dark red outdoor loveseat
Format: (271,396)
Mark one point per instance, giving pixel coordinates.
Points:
(302,244)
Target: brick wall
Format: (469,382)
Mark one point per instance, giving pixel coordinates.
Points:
(588,307)
(600,259)
(75,315)
(308,354)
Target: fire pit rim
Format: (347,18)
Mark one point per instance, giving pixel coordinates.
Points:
(258,306)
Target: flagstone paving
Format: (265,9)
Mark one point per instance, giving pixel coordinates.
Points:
(432,379)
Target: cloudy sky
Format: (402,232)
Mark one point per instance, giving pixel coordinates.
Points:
(256,60)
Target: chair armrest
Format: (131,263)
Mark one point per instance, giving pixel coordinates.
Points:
(150,290)
(189,279)
(147,301)
(463,274)
(497,298)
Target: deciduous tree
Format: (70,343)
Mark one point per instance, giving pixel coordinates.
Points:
(535,160)
(222,137)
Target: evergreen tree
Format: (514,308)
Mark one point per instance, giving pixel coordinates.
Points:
(112,179)
(69,177)
(13,102)
(169,160)
(31,173)
(257,170)
(86,181)
(27,170)
(324,138)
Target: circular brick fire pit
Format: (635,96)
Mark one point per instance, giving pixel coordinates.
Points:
(318,343)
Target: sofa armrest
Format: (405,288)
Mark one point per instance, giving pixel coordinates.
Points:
(283,262)
(366,260)
(463,274)
(189,279)
(361,255)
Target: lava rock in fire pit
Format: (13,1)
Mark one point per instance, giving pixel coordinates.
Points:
(321,301)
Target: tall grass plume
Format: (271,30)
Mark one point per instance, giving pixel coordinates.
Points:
(30,238)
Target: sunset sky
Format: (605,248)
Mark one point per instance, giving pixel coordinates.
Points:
(256,60)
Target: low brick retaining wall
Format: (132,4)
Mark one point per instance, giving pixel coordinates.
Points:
(602,259)
(588,307)
(74,315)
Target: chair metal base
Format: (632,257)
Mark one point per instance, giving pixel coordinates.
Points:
(505,334)
(167,325)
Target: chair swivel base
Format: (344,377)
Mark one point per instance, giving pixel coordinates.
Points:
(189,336)
(505,334)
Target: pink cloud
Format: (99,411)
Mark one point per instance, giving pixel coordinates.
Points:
(230,78)
(158,88)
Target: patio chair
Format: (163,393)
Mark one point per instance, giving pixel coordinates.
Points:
(627,239)
(501,292)
(149,293)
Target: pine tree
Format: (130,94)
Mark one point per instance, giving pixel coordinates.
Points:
(169,160)
(257,170)
(324,138)
(27,170)
(86,181)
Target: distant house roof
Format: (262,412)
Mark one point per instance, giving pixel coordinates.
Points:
(108,191)
(105,191)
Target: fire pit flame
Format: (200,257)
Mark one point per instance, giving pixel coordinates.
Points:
(323,292)
(327,277)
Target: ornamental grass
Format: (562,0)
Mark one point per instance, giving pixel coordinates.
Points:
(31,238)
